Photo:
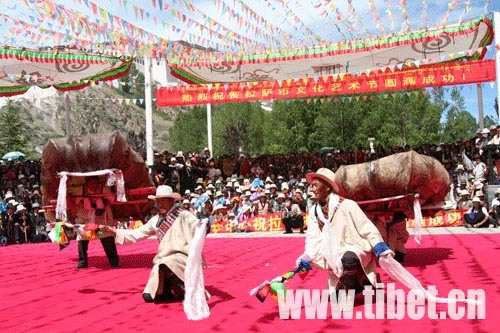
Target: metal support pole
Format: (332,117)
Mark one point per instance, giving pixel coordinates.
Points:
(149,111)
(480,105)
(209,128)
(67,113)
(496,23)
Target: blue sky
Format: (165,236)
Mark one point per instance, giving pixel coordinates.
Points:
(489,89)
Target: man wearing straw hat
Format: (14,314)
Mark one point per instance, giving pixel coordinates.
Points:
(340,237)
(177,272)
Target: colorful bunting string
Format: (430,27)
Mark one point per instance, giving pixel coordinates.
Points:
(255,33)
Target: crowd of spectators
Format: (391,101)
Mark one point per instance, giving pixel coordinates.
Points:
(21,214)
(244,185)
(240,186)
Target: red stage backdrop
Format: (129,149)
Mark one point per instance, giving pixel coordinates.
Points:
(272,222)
(341,84)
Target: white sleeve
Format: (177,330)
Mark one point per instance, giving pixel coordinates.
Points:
(130,236)
(485,211)
(314,242)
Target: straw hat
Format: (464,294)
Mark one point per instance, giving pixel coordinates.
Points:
(476,199)
(326,175)
(218,207)
(9,195)
(165,191)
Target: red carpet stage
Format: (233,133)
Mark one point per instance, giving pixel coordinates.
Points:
(41,291)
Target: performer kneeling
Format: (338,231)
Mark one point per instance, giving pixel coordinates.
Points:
(177,272)
(340,237)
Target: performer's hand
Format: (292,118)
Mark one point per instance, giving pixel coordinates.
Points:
(303,256)
(387,253)
(109,228)
(297,262)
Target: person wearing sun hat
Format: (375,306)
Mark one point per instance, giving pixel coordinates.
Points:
(494,211)
(177,268)
(340,237)
(477,216)
(164,200)
(464,203)
(245,213)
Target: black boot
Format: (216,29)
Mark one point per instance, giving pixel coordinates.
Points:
(108,243)
(83,246)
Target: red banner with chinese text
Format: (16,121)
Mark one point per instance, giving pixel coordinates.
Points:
(268,222)
(447,218)
(272,222)
(341,84)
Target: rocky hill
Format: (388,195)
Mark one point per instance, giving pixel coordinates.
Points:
(91,110)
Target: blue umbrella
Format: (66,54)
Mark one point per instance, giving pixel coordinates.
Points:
(13,155)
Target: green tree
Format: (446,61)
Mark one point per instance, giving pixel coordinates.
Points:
(459,123)
(13,136)
(488,121)
(189,132)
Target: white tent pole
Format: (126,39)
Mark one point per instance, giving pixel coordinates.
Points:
(209,128)
(496,23)
(149,110)
(66,108)
(480,105)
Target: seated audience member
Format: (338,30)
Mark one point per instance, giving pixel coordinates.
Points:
(291,215)
(232,221)
(219,213)
(299,200)
(477,216)
(464,203)
(23,227)
(242,219)
(495,209)
(40,224)
(262,206)
(3,233)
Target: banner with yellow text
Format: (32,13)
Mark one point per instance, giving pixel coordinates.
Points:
(342,84)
